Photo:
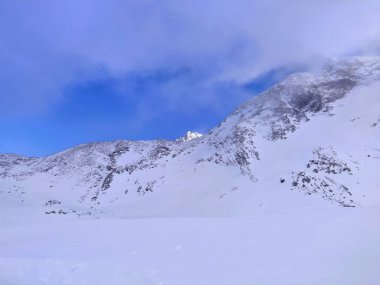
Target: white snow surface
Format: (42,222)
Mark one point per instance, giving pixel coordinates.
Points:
(284,191)
(307,246)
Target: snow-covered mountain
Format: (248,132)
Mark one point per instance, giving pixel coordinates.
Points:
(314,138)
(189,136)
(260,193)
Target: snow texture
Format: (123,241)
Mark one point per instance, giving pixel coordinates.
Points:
(283,191)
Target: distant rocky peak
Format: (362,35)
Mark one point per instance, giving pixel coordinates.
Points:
(189,136)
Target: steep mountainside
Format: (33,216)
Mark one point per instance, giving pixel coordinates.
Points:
(313,138)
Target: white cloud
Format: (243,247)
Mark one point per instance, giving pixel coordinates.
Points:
(46,45)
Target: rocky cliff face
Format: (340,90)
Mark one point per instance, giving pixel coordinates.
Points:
(315,134)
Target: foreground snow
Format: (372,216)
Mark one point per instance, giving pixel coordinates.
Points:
(298,246)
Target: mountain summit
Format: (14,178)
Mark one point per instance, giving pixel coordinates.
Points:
(189,136)
(313,138)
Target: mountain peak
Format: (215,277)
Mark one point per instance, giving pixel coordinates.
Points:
(189,136)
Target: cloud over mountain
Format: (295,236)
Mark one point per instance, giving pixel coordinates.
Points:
(47,45)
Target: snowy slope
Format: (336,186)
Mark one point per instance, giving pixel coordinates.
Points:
(313,139)
(257,200)
(323,246)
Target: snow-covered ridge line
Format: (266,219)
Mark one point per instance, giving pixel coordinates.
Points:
(313,133)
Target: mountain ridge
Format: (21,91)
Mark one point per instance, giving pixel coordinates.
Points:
(239,154)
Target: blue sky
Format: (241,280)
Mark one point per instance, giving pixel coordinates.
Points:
(103,110)
(88,70)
